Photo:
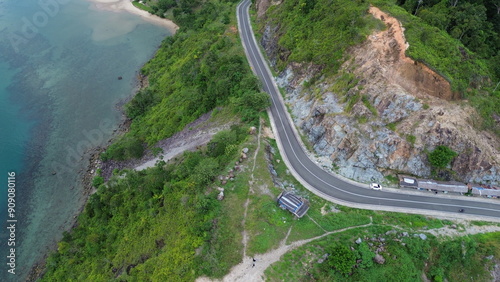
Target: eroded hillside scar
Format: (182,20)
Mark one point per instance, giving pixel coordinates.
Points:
(415,77)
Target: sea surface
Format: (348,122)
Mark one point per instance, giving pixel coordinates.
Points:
(59,97)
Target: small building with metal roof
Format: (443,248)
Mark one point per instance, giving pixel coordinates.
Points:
(485,190)
(450,186)
(296,205)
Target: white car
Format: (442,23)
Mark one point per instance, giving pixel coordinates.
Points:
(375,186)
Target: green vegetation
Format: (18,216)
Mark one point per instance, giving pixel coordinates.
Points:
(367,104)
(200,68)
(127,147)
(250,104)
(320,31)
(406,257)
(97,181)
(351,101)
(441,156)
(409,221)
(459,43)
(391,126)
(481,223)
(473,23)
(165,224)
(142,7)
(344,83)
(437,49)
(147,225)
(341,259)
(411,139)
(161,7)
(362,120)
(462,254)
(392,179)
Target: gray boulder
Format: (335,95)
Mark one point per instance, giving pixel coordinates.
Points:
(379,259)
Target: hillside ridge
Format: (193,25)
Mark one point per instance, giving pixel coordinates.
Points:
(382,112)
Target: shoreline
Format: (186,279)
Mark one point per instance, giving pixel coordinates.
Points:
(127,6)
(92,156)
(86,176)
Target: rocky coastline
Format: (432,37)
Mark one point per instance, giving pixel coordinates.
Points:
(87,175)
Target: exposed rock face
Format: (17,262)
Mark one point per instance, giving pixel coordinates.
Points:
(263,5)
(405,114)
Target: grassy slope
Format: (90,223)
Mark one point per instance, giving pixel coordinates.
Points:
(320,31)
(459,259)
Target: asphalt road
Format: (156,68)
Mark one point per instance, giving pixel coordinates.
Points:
(336,188)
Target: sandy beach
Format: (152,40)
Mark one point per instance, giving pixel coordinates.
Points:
(126,5)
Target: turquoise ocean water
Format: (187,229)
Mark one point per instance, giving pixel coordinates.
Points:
(58,98)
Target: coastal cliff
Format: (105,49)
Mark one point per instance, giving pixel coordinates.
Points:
(382,112)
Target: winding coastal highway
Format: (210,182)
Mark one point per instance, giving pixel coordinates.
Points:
(335,188)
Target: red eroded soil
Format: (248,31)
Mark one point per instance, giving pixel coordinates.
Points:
(384,54)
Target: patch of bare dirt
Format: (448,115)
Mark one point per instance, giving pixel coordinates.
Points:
(233,29)
(495,272)
(263,5)
(384,52)
(264,190)
(267,132)
(324,210)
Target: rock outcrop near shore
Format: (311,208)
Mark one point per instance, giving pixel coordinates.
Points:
(403,110)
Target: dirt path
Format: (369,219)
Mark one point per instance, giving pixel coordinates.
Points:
(196,134)
(246,272)
(249,270)
(244,239)
(316,223)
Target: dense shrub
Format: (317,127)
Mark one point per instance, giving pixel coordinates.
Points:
(341,259)
(441,156)
(97,181)
(127,147)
